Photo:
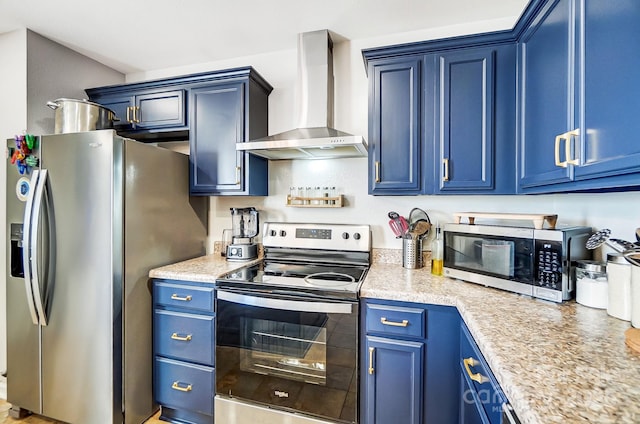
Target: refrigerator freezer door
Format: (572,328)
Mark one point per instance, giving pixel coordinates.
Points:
(23,349)
(77,349)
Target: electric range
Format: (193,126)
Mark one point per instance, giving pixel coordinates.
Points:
(287,328)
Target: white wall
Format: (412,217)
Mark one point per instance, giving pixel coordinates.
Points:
(616,211)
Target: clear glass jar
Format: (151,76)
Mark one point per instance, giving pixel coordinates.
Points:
(591,269)
(591,284)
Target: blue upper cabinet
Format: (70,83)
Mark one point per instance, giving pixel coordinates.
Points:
(465,126)
(144,110)
(395,126)
(231,110)
(441,121)
(547,79)
(217,123)
(475,121)
(578,97)
(609,90)
(214,111)
(164,109)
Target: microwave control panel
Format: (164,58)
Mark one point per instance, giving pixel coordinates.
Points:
(548,263)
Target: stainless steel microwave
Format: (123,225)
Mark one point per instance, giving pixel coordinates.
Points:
(538,263)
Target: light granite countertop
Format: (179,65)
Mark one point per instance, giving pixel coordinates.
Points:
(556,363)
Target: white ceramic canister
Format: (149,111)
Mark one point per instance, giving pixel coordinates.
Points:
(619,279)
(592,288)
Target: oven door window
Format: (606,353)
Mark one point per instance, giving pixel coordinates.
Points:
(502,257)
(292,350)
(303,360)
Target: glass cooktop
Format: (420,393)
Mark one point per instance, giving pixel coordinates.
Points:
(281,276)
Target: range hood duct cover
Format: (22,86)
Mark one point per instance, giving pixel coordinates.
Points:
(315,137)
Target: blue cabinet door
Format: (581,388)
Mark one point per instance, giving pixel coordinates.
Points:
(147,109)
(471,411)
(216,126)
(220,116)
(465,139)
(547,95)
(161,109)
(395,130)
(121,105)
(393,381)
(610,90)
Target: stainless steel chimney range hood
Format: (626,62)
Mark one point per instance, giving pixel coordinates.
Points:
(315,137)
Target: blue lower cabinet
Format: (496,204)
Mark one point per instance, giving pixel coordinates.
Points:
(409,370)
(481,398)
(184,336)
(184,385)
(184,351)
(471,411)
(394,381)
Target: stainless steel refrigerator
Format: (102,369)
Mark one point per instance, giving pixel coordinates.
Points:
(84,228)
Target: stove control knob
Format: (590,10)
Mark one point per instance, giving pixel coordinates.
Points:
(356,236)
(273,233)
(345,236)
(283,233)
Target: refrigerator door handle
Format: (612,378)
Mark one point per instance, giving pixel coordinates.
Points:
(26,240)
(34,247)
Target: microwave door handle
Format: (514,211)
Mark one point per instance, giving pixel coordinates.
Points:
(286,304)
(34,248)
(26,245)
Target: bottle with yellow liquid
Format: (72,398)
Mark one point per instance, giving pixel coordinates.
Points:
(437,253)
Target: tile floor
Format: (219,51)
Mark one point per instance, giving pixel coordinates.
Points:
(36,419)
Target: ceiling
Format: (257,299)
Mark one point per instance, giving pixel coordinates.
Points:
(137,36)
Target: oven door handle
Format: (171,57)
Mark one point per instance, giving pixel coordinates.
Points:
(285,304)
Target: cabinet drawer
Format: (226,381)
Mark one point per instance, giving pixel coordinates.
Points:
(184,296)
(398,320)
(182,385)
(184,336)
(479,378)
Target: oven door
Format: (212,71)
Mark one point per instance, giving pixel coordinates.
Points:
(288,352)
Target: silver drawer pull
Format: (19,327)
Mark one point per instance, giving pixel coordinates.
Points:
(404,322)
(176,386)
(186,338)
(184,299)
